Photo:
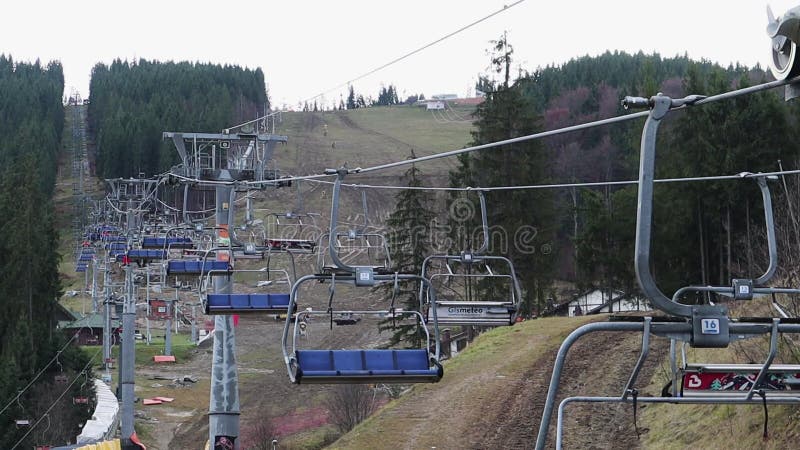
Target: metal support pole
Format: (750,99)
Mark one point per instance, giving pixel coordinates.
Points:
(95,309)
(168,329)
(194,325)
(127,357)
(248,213)
(175,311)
(107,338)
(147,310)
(223,413)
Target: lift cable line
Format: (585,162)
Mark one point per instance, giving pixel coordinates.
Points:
(414,52)
(78,376)
(39,374)
(568,185)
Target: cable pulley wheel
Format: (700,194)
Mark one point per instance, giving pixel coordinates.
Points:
(784,61)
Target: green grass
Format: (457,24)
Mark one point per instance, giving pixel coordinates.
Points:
(181,348)
(361,137)
(719,426)
(366,137)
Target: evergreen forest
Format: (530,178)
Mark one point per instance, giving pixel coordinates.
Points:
(705,232)
(35,358)
(132,103)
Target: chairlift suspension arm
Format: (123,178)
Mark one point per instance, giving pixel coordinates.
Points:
(366,209)
(771,240)
(771,244)
(332,292)
(773,350)
(484,224)
(337,187)
(659,107)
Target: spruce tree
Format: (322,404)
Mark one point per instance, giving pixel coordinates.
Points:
(409,239)
(351,98)
(527,217)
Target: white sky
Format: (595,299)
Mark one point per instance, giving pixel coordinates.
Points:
(307,47)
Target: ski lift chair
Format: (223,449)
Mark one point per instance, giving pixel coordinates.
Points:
(355,247)
(167,242)
(359,365)
(291,231)
(458,290)
(700,326)
(353,366)
(715,380)
(198,267)
(275,302)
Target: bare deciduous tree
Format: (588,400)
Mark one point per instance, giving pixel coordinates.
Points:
(258,435)
(349,405)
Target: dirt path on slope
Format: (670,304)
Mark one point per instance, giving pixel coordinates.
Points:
(494,398)
(350,123)
(598,364)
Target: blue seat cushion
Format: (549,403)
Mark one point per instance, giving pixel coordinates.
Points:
(197,267)
(279,300)
(259,301)
(315,360)
(412,359)
(353,373)
(348,360)
(152,242)
(239,301)
(218,301)
(379,359)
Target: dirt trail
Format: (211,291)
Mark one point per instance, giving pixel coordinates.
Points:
(496,400)
(598,364)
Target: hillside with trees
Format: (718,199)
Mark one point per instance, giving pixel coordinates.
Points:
(707,232)
(31,121)
(132,103)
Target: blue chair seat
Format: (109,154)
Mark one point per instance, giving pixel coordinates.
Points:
(279,300)
(246,303)
(196,267)
(365,366)
(161,242)
(146,254)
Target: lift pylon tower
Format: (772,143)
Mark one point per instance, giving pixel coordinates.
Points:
(207,156)
(239,154)
(131,192)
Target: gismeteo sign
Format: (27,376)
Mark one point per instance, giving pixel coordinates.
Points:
(465,310)
(481,312)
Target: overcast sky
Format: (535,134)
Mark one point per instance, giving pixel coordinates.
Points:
(307,47)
